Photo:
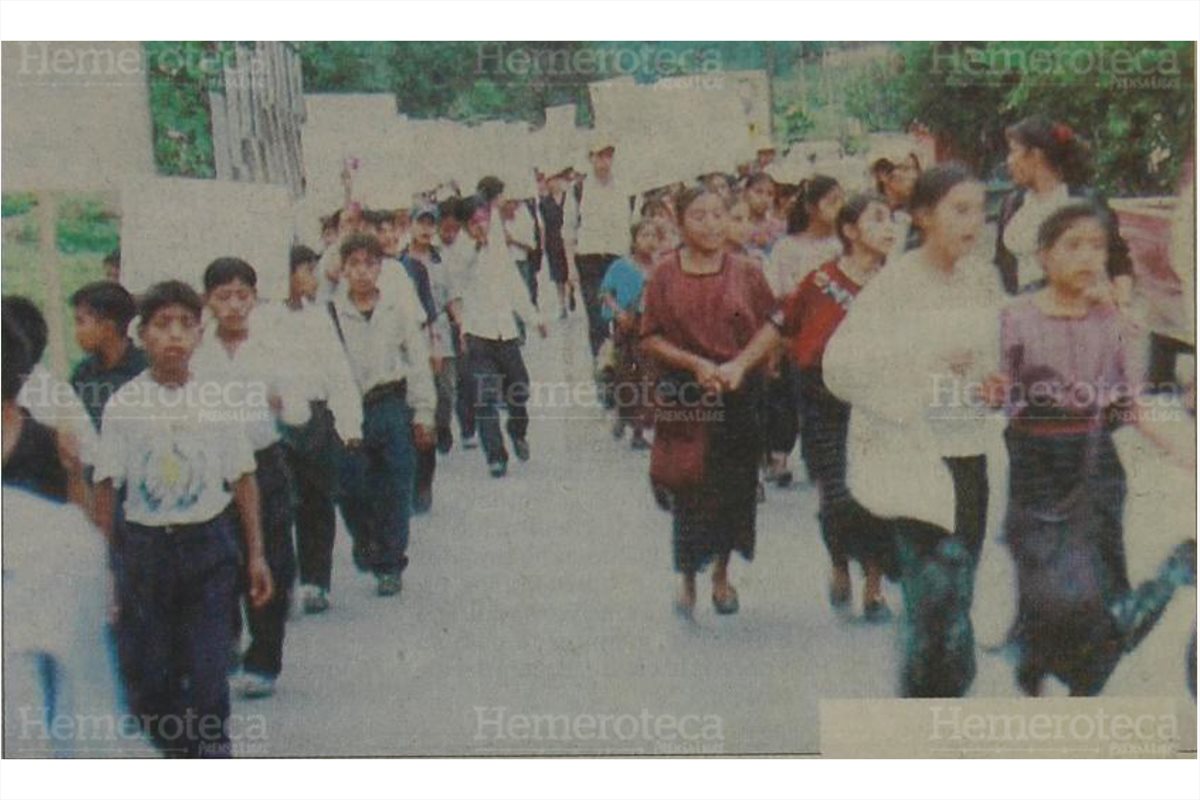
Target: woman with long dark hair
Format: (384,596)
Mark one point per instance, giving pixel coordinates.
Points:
(917,341)
(1050,164)
(702,306)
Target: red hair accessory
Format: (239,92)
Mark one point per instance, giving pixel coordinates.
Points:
(1062,133)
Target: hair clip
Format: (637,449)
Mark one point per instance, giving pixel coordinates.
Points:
(1062,133)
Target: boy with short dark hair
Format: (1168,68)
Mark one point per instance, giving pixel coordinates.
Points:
(325,381)
(103,311)
(389,356)
(189,481)
(246,349)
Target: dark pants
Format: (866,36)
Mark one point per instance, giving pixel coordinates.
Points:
(970,501)
(426,467)
(311,457)
(178,598)
(445,381)
(266,624)
(464,398)
(529,273)
(376,482)
(782,422)
(592,267)
(498,376)
(427,459)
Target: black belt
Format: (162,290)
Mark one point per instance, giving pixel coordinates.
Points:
(384,391)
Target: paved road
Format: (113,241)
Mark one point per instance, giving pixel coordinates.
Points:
(549,593)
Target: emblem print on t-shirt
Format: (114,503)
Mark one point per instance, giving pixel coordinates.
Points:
(172,476)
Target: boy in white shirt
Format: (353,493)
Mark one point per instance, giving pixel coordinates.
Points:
(325,381)
(388,352)
(189,480)
(246,353)
(493,296)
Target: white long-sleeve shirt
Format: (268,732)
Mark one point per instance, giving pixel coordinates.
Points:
(522,231)
(321,369)
(267,359)
(389,345)
(604,218)
(492,292)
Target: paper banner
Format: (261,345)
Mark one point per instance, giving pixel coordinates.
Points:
(340,126)
(76,116)
(173,228)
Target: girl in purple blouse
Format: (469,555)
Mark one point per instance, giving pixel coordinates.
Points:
(1065,386)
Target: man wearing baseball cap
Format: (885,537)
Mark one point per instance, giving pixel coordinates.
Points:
(601,233)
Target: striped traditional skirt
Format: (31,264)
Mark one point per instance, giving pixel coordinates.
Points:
(1065,532)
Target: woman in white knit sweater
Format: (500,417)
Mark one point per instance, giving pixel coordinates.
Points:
(910,359)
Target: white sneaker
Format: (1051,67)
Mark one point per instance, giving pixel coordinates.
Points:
(313,599)
(253,686)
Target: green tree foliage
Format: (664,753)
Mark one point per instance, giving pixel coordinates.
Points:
(464,81)
(1133,101)
(181,74)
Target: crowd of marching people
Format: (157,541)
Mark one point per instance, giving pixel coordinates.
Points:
(213,437)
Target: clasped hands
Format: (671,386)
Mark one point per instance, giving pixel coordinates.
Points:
(727,377)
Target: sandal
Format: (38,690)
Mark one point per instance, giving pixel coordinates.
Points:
(729,605)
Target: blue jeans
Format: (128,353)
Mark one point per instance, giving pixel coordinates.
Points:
(178,594)
(377,486)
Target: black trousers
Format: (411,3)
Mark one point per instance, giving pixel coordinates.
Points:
(498,377)
(970,501)
(177,603)
(782,421)
(266,624)
(310,455)
(591,267)
(464,397)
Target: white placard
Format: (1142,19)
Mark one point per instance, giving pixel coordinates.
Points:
(173,228)
(76,116)
(339,126)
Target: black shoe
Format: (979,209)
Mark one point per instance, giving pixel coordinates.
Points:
(498,468)
(445,440)
(639,442)
(521,447)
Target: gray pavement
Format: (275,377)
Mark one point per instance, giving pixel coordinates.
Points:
(543,600)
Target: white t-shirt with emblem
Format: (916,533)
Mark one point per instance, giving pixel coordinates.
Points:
(174,449)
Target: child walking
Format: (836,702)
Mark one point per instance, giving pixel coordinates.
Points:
(808,319)
(189,486)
